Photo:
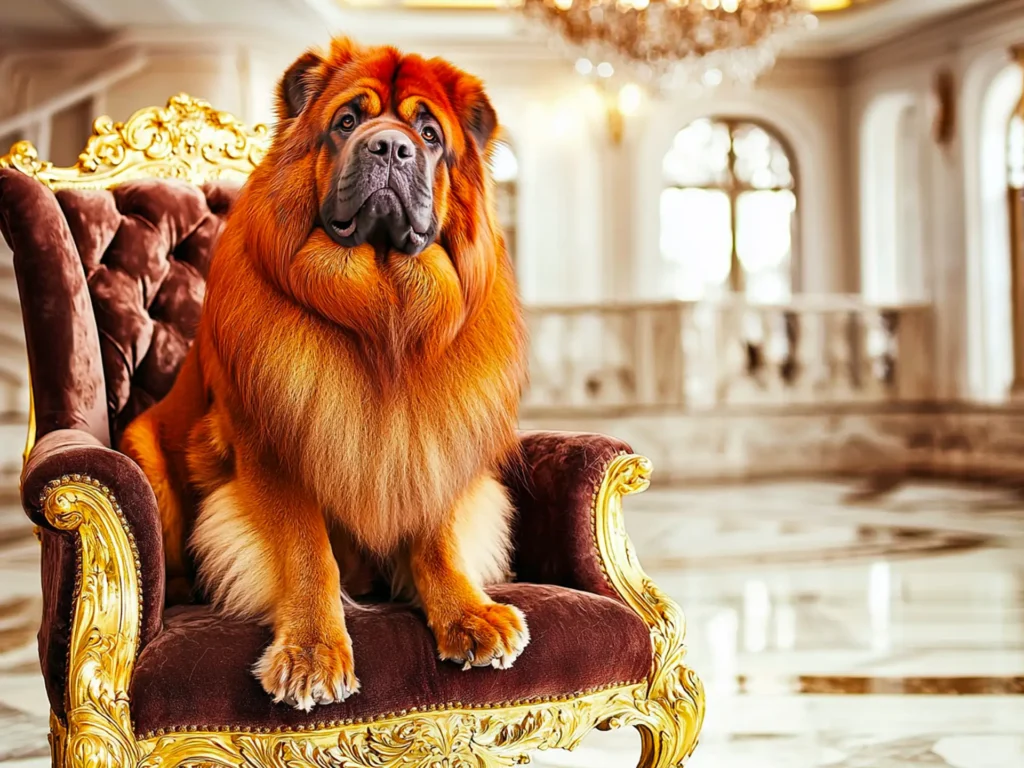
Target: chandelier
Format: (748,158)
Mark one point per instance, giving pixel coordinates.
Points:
(674,39)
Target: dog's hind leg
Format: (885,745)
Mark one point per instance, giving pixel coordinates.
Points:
(142,442)
(157,441)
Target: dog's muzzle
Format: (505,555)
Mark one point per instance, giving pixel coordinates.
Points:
(383,195)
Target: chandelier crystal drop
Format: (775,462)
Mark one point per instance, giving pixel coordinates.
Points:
(674,40)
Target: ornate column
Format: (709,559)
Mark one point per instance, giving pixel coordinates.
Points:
(1015,200)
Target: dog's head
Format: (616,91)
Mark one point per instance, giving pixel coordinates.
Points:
(375,194)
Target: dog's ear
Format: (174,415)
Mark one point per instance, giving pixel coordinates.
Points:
(479,119)
(308,75)
(299,84)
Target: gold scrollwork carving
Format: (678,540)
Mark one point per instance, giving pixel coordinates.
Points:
(674,698)
(104,627)
(497,737)
(187,139)
(667,708)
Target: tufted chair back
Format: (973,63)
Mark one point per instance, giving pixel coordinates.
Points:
(112,284)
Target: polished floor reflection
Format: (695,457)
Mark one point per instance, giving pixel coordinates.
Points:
(834,625)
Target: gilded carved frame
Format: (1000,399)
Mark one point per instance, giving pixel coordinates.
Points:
(189,140)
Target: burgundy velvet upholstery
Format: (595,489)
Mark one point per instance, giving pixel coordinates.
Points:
(63,341)
(112,284)
(72,451)
(554,494)
(197,672)
(146,247)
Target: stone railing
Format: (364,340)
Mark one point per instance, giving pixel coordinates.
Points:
(686,356)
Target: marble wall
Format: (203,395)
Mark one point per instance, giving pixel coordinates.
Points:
(961,262)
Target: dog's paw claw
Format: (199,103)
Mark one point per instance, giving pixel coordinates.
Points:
(303,676)
(489,635)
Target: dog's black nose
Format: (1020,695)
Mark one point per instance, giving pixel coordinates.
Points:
(392,144)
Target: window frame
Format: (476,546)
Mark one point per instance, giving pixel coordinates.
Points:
(736,281)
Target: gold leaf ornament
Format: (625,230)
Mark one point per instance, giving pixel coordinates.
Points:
(187,139)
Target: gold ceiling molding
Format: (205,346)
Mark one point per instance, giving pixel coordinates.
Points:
(831,6)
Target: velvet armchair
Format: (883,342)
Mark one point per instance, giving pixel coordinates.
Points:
(111,257)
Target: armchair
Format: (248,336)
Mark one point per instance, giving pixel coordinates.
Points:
(111,257)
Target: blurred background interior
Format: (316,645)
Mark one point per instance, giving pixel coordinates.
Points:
(802,297)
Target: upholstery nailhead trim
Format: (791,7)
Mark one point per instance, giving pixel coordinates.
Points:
(326,724)
(593,519)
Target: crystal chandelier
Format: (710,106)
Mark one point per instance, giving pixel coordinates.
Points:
(674,40)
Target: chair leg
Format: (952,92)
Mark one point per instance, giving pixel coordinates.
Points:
(664,745)
(56,738)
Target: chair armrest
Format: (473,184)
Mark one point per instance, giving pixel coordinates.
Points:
(554,490)
(103,569)
(569,491)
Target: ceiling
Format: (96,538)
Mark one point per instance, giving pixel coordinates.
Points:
(849,26)
(864,23)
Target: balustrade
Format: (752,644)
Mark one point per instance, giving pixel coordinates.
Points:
(619,358)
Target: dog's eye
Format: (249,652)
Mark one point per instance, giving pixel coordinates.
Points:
(347,122)
(429,134)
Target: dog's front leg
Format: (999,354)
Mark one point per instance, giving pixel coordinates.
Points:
(310,660)
(470,628)
(264,552)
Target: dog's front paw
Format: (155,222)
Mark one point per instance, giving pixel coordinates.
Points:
(304,675)
(488,634)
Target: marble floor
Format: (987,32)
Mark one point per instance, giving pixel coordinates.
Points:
(833,625)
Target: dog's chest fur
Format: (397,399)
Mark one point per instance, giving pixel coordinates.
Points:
(390,464)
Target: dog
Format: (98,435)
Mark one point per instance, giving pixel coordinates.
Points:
(352,393)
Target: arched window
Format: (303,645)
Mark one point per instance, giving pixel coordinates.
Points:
(990,351)
(505,170)
(892,267)
(728,211)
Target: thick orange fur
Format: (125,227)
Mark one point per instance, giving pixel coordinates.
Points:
(337,389)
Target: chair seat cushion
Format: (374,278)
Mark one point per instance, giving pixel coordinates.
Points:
(197,673)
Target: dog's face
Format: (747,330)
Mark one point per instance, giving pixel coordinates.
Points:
(381,184)
(378,187)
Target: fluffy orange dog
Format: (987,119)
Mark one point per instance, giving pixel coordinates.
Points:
(354,384)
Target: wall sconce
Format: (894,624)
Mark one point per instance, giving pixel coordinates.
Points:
(616,104)
(628,101)
(944,105)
